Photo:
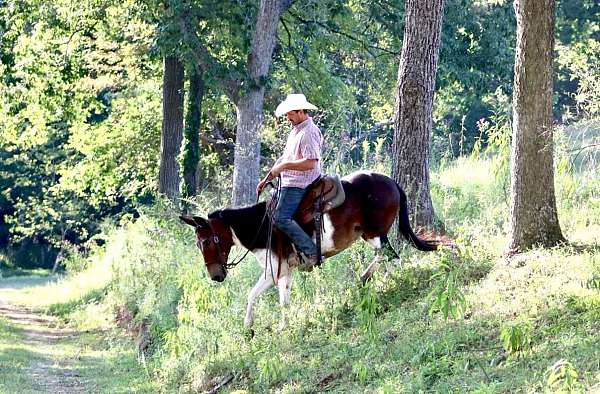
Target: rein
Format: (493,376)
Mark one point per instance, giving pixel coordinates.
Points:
(235,263)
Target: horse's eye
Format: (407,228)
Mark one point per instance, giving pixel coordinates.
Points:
(216,239)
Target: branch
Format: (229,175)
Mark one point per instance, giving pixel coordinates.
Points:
(366,45)
(228,378)
(579,150)
(213,141)
(205,61)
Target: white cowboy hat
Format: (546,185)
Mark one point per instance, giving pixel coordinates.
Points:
(293,102)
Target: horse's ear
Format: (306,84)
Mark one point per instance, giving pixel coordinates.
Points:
(201,222)
(188,220)
(195,221)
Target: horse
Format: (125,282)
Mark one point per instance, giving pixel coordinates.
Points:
(372,202)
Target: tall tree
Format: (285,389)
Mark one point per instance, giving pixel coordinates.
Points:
(533,215)
(414,104)
(191,144)
(244,86)
(246,170)
(172,128)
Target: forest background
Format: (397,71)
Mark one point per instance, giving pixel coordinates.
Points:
(81,98)
(81,109)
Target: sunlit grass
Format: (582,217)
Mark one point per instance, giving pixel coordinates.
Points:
(98,362)
(341,337)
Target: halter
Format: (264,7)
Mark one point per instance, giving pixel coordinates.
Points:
(215,239)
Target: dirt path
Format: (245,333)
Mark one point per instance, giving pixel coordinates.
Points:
(52,372)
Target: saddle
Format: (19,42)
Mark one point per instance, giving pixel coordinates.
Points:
(324,194)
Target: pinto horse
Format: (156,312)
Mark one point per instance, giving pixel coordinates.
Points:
(372,202)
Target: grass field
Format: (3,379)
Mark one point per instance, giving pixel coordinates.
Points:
(42,354)
(468,320)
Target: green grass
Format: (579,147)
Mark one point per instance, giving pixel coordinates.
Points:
(528,324)
(103,359)
(343,338)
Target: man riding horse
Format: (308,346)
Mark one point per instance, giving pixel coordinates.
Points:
(298,167)
(371,203)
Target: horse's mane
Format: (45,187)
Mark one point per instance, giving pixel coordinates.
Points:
(245,222)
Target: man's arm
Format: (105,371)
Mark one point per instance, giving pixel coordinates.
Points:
(296,165)
(279,166)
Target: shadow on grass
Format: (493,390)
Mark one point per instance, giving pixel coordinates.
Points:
(579,248)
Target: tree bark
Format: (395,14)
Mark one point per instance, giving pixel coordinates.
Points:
(414,104)
(249,106)
(533,214)
(172,128)
(191,144)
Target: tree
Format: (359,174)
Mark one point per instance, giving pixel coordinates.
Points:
(191,144)
(414,103)
(243,85)
(533,215)
(172,128)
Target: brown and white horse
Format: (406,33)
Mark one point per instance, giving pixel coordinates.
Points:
(372,202)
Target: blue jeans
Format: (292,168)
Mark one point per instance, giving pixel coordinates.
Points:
(289,199)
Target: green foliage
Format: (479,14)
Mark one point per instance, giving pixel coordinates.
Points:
(579,62)
(562,377)
(368,308)
(446,295)
(342,336)
(517,337)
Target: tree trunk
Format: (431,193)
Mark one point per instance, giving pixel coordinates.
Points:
(172,128)
(246,170)
(250,104)
(533,215)
(414,102)
(191,144)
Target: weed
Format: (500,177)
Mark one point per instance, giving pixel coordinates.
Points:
(447,296)
(516,338)
(562,377)
(360,371)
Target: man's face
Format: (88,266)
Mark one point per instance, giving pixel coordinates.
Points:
(296,117)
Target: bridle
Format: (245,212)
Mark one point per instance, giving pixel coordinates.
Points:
(215,239)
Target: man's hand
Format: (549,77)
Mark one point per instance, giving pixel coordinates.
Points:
(276,170)
(261,185)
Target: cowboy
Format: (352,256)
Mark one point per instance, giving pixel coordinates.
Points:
(298,166)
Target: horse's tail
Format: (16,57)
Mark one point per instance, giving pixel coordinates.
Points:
(406,230)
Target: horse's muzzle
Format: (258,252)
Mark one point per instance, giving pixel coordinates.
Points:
(218,277)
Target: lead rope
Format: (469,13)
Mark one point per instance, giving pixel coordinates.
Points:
(262,222)
(318,227)
(269,254)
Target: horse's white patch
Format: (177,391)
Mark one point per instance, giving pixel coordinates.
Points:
(261,256)
(236,240)
(375,242)
(327,242)
(271,265)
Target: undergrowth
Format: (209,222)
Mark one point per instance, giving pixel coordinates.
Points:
(461,319)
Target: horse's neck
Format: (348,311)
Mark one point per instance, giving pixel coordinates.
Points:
(246,222)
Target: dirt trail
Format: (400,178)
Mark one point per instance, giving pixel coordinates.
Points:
(51,373)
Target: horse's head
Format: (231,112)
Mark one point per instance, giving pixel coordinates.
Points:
(215,240)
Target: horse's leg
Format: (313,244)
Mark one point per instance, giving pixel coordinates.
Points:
(368,273)
(284,285)
(382,246)
(264,282)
